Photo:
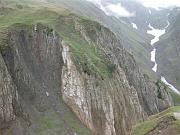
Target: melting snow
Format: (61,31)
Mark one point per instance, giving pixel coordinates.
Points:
(47,94)
(153,59)
(157,33)
(149,11)
(134,25)
(170,85)
(153,55)
(35,27)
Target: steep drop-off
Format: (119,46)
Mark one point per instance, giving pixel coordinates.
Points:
(84,64)
(34,63)
(108,94)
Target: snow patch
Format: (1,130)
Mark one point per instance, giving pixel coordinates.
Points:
(170,85)
(157,33)
(134,25)
(47,94)
(153,59)
(153,55)
(149,11)
(35,27)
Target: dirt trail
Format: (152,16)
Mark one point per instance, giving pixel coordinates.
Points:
(165,127)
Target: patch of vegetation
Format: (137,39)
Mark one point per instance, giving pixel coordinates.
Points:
(4,45)
(145,127)
(88,57)
(22,18)
(28,16)
(177,125)
(175,97)
(75,124)
(166,112)
(48,123)
(160,85)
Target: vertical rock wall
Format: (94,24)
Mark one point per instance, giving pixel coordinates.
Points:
(8,95)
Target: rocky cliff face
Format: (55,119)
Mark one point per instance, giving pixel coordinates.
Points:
(8,95)
(102,84)
(33,63)
(100,104)
(108,105)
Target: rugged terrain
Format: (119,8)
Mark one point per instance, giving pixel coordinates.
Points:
(169,50)
(165,123)
(62,73)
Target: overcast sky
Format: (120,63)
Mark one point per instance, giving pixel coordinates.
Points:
(160,3)
(119,11)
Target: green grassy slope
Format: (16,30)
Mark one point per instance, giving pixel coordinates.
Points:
(90,57)
(149,125)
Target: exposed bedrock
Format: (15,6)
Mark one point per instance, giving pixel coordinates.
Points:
(38,68)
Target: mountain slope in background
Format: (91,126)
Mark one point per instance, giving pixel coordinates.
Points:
(169,50)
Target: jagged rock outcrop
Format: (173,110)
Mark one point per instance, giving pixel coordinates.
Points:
(111,46)
(108,95)
(110,105)
(33,59)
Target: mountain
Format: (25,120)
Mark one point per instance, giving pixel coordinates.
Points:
(135,42)
(67,68)
(168,50)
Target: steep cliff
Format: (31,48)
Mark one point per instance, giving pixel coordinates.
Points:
(110,94)
(33,60)
(77,62)
(8,95)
